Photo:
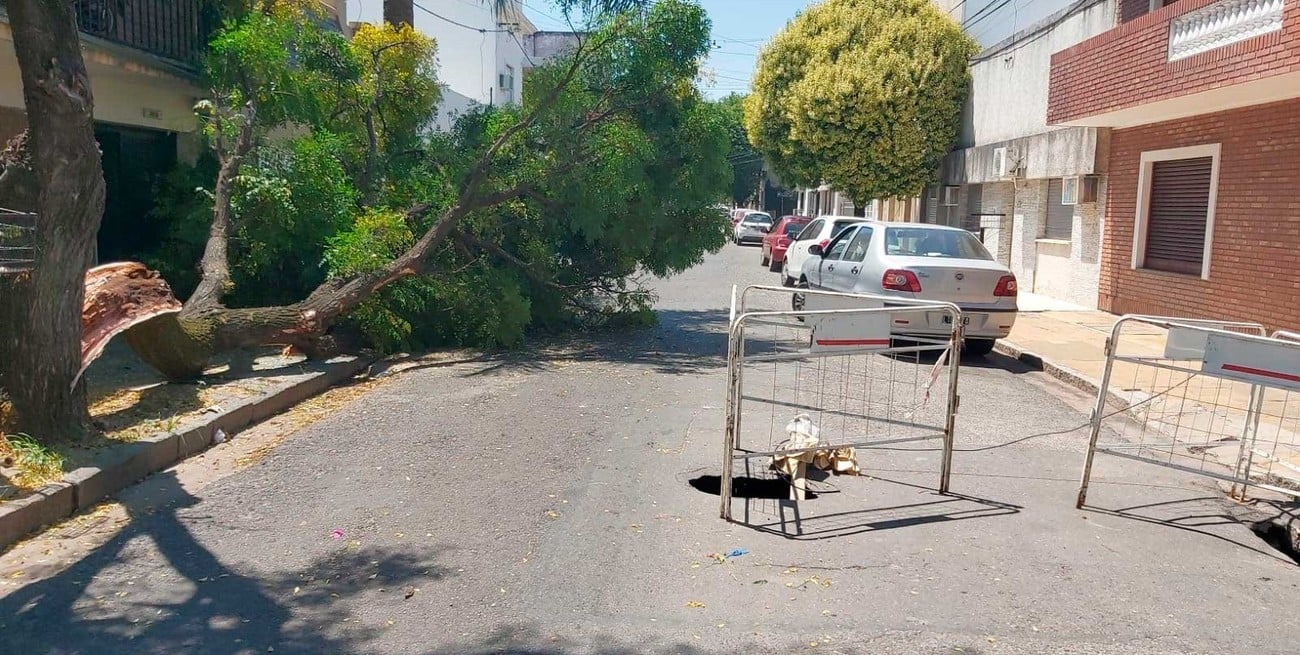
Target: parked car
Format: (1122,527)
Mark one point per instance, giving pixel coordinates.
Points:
(819,231)
(779,239)
(738,214)
(923,262)
(752,228)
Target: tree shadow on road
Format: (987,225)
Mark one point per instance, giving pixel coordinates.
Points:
(206,607)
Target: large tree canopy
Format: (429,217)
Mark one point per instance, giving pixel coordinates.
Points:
(862,94)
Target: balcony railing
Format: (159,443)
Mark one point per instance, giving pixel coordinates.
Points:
(1221,24)
(172,29)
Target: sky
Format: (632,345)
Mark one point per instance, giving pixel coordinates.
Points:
(740,28)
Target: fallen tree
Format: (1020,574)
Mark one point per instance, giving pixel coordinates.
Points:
(612,133)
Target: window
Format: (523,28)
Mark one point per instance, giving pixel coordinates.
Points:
(792,228)
(507,84)
(857,250)
(839,245)
(839,226)
(950,196)
(1069,191)
(929,242)
(1175,210)
(1060,216)
(814,228)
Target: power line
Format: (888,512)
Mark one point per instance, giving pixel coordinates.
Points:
(522,49)
(456,23)
(991,10)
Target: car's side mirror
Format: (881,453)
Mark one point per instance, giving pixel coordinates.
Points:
(815,250)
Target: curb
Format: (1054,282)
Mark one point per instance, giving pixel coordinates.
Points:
(1065,374)
(119,467)
(1283,529)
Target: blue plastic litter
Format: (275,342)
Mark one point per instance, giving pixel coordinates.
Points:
(737,552)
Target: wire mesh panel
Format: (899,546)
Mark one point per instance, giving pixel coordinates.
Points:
(839,363)
(1218,399)
(17,241)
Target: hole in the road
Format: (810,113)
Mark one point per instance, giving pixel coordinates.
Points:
(746,487)
(1278,536)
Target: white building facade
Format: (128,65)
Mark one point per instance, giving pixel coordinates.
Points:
(1034,193)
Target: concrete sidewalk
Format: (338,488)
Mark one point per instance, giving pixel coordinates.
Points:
(1205,415)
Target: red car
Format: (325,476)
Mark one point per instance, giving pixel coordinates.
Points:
(778,240)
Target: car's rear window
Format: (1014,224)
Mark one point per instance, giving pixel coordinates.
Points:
(793,227)
(758,218)
(924,242)
(838,226)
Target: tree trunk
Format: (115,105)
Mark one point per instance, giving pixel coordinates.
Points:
(40,346)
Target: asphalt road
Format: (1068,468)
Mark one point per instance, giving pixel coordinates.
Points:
(542,503)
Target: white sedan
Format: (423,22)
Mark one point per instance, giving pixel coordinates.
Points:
(921,262)
(752,228)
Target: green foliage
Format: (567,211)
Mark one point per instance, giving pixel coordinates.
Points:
(183,202)
(746,162)
(36,464)
(619,170)
(632,193)
(863,94)
(289,201)
(284,61)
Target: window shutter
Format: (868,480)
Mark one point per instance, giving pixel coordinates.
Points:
(1060,218)
(974,207)
(1176,219)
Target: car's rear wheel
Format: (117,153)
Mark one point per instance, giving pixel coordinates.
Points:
(978,347)
(774,266)
(766,260)
(798,300)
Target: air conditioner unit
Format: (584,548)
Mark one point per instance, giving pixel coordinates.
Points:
(1000,162)
(950,196)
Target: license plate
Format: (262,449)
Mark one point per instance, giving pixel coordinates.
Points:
(947,319)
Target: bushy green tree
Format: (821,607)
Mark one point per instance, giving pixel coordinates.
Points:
(863,94)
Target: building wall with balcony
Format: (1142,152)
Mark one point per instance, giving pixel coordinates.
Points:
(1254,244)
(141,58)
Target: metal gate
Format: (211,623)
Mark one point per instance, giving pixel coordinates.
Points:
(840,361)
(1214,398)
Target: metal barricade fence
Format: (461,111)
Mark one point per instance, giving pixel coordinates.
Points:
(1213,398)
(17,241)
(835,360)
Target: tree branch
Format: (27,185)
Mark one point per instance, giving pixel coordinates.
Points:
(216,263)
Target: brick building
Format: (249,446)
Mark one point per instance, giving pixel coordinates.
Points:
(1202,102)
